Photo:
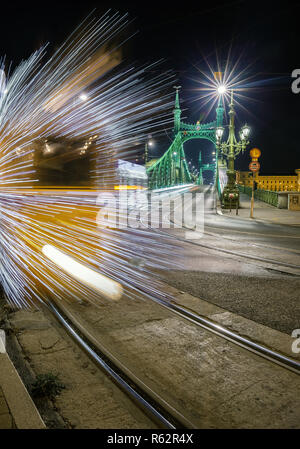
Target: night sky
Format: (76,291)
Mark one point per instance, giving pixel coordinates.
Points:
(265,34)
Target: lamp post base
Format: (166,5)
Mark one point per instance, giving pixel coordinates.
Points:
(230,198)
(231,194)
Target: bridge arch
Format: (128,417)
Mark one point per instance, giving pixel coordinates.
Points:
(172,169)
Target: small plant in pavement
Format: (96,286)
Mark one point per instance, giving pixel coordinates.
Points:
(47,385)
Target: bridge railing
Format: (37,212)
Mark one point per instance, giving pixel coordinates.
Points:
(268,196)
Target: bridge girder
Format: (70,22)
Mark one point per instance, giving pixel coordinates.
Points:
(172,169)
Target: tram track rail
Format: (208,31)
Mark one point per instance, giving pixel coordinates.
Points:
(152,404)
(167,301)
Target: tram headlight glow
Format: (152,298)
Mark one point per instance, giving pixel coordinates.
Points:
(107,287)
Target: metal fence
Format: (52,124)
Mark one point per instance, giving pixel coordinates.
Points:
(268,196)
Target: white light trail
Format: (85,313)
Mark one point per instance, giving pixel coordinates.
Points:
(101,284)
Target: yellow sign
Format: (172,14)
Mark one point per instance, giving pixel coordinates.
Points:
(255,153)
(218,76)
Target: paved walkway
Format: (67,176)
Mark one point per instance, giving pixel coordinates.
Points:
(6,418)
(264,212)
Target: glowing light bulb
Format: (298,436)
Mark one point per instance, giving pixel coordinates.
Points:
(83,97)
(221,89)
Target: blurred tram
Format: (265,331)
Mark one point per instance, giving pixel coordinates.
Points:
(61,252)
(75,164)
(131,176)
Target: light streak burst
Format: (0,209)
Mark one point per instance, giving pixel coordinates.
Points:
(81,101)
(219,78)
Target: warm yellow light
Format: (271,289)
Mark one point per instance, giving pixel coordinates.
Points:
(218,76)
(125,187)
(102,284)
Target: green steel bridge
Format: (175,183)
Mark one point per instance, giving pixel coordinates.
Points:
(172,169)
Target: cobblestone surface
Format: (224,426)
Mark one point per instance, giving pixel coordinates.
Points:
(6,419)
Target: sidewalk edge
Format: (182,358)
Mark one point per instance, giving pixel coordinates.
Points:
(22,407)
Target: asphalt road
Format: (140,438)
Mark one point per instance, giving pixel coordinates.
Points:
(241,285)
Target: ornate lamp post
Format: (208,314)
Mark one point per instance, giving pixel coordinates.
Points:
(231,148)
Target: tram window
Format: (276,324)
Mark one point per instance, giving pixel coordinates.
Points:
(63,162)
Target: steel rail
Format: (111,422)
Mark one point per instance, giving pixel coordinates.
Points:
(205,323)
(261,350)
(151,403)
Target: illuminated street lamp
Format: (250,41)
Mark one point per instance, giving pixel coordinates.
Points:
(221,89)
(245,131)
(219,133)
(149,143)
(83,97)
(231,148)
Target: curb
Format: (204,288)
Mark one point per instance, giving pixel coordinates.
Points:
(2,342)
(21,406)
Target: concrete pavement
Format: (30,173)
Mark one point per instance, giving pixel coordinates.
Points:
(264,212)
(6,418)
(17,410)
